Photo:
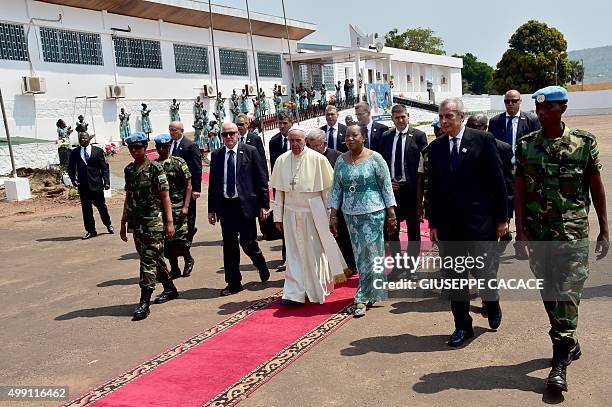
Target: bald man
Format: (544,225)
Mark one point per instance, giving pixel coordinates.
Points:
(513,124)
(188,151)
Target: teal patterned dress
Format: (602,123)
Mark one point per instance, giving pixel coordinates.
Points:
(146,121)
(199,135)
(124,125)
(363,192)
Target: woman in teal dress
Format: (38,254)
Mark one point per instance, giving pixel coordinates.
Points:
(175,116)
(124,125)
(362,190)
(146,120)
(199,137)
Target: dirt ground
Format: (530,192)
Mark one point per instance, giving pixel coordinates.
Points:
(67,306)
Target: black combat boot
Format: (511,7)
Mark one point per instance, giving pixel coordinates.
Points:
(175,271)
(143,307)
(170,292)
(189,262)
(557,378)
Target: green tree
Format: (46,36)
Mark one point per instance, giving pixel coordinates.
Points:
(537,57)
(416,39)
(476,74)
(576,72)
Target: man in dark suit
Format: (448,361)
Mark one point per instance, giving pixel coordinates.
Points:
(375,129)
(334,131)
(237,194)
(252,139)
(315,140)
(466,206)
(88,171)
(513,124)
(188,151)
(279,144)
(479,121)
(401,148)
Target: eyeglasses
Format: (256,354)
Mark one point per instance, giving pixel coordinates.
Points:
(228,133)
(240,124)
(508,101)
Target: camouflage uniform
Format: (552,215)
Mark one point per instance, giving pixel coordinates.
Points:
(556,175)
(177,172)
(144,218)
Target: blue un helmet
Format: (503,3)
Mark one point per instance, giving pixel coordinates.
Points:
(163,139)
(550,94)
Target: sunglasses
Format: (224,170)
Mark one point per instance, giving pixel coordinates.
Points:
(508,101)
(228,133)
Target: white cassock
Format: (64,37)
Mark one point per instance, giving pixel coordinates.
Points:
(302,183)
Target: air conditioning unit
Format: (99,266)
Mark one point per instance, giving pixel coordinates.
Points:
(115,91)
(209,91)
(283,90)
(250,90)
(33,84)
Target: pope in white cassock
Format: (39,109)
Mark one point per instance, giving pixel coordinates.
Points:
(302,179)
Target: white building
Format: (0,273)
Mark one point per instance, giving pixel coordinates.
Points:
(154,50)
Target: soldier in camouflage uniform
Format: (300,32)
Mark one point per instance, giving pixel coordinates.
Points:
(179,181)
(557,167)
(147,213)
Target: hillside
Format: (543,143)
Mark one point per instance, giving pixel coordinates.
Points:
(597,63)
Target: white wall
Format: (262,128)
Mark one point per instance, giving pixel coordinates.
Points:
(35,115)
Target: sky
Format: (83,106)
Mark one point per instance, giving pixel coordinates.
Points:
(480,27)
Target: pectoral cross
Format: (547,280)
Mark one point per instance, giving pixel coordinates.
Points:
(292,183)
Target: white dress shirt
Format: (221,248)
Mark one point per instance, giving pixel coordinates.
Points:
(458,137)
(335,127)
(515,121)
(88,148)
(227,154)
(369,127)
(178,143)
(405,136)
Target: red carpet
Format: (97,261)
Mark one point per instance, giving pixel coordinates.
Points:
(152,155)
(211,368)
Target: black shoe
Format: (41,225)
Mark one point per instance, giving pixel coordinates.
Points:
(175,273)
(264,274)
(111,229)
(495,318)
(282,267)
(166,296)
(290,303)
(557,378)
(188,267)
(460,336)
(483,311)
(89,235)
(142,311)
(231,290)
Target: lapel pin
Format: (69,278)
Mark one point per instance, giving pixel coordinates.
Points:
(464,150)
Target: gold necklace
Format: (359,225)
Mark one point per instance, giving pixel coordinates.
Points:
(353,159)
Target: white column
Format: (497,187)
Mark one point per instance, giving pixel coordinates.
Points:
(357,72)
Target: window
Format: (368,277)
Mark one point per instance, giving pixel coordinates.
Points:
(317,77)
(71,47)
(304,77)
(328,76)
(269,65)
(189,59)
(408,78)
(135,53)
(443,80)
(13,45)
(233,62)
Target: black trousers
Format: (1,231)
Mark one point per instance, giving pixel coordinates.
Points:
(191,219)
(239,231)
(88,200)
(487,251)
(406,211)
